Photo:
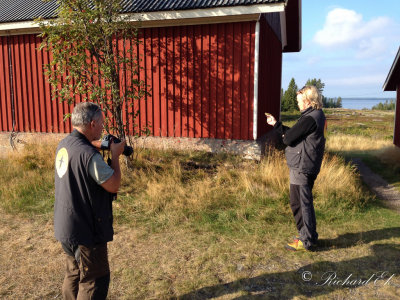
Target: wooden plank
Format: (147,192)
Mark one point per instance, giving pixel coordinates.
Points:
(3,94)
(197,80)
(54,105)
(205,83)
(120,52)
(163,82)
(221,73)
(142,76)
(16,69)
(237,71)
(170,81)
(40,80)
(23,78)
(149,79)
(35,86)
(229,81)
(8,52)
(49,111)
(177,82)
(190,59)
(251,78)
(60,107)
(127,44)
(213,80)
(134,105)
(245,84)
(184,81)
(30,110)
(155,53)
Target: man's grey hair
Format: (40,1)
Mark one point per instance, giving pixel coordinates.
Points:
(84,113)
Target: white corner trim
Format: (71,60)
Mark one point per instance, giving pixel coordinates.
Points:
(256,67)
(283,29)
(186,17)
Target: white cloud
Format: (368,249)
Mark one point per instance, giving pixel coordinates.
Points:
(346,28)
(371,47)
(338,28)
(313,60)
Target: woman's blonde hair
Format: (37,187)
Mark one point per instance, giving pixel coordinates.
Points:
(311,93)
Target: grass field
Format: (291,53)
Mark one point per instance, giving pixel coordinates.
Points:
(195,225)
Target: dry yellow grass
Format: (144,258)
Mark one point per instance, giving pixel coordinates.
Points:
(177,188)
(174,192)
(29,175)
(344,142)
(339,184)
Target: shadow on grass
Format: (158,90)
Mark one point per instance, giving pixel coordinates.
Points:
(320,278)
(388,172)
(351,239)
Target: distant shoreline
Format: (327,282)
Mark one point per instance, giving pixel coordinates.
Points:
(363,103)
(366,98)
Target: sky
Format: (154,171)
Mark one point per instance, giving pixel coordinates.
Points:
(349,44)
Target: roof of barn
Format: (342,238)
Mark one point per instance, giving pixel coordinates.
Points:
(26,10)
(393,78)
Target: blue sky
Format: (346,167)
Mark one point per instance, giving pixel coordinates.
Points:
(349,44)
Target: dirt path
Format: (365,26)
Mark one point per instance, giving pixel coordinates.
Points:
(378,185)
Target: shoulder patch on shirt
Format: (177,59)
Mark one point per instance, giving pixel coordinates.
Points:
(62,162)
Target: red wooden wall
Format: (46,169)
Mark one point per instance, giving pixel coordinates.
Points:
(270,76)
(24,79)
(201,80)
(397,119)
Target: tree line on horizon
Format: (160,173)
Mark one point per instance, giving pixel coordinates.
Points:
(289,102)
(387,105)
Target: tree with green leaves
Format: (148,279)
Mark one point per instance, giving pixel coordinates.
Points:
(317,83)
(387,105)
(289,102)
(327,102)
(86,59)
(339,102)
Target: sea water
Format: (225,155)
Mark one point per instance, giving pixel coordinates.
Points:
(360,103)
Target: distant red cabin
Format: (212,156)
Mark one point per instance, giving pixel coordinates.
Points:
(392,83)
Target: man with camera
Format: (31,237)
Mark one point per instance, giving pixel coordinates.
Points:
(84,189)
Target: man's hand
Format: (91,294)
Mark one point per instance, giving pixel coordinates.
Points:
(117,148)
(113,183)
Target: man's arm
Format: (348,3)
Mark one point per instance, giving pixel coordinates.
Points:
(113,183)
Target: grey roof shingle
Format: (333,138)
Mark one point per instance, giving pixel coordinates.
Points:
(25,10)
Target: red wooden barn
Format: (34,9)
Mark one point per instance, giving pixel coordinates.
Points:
(392,83)
(214,67)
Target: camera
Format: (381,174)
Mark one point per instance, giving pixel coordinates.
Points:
(109,138)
